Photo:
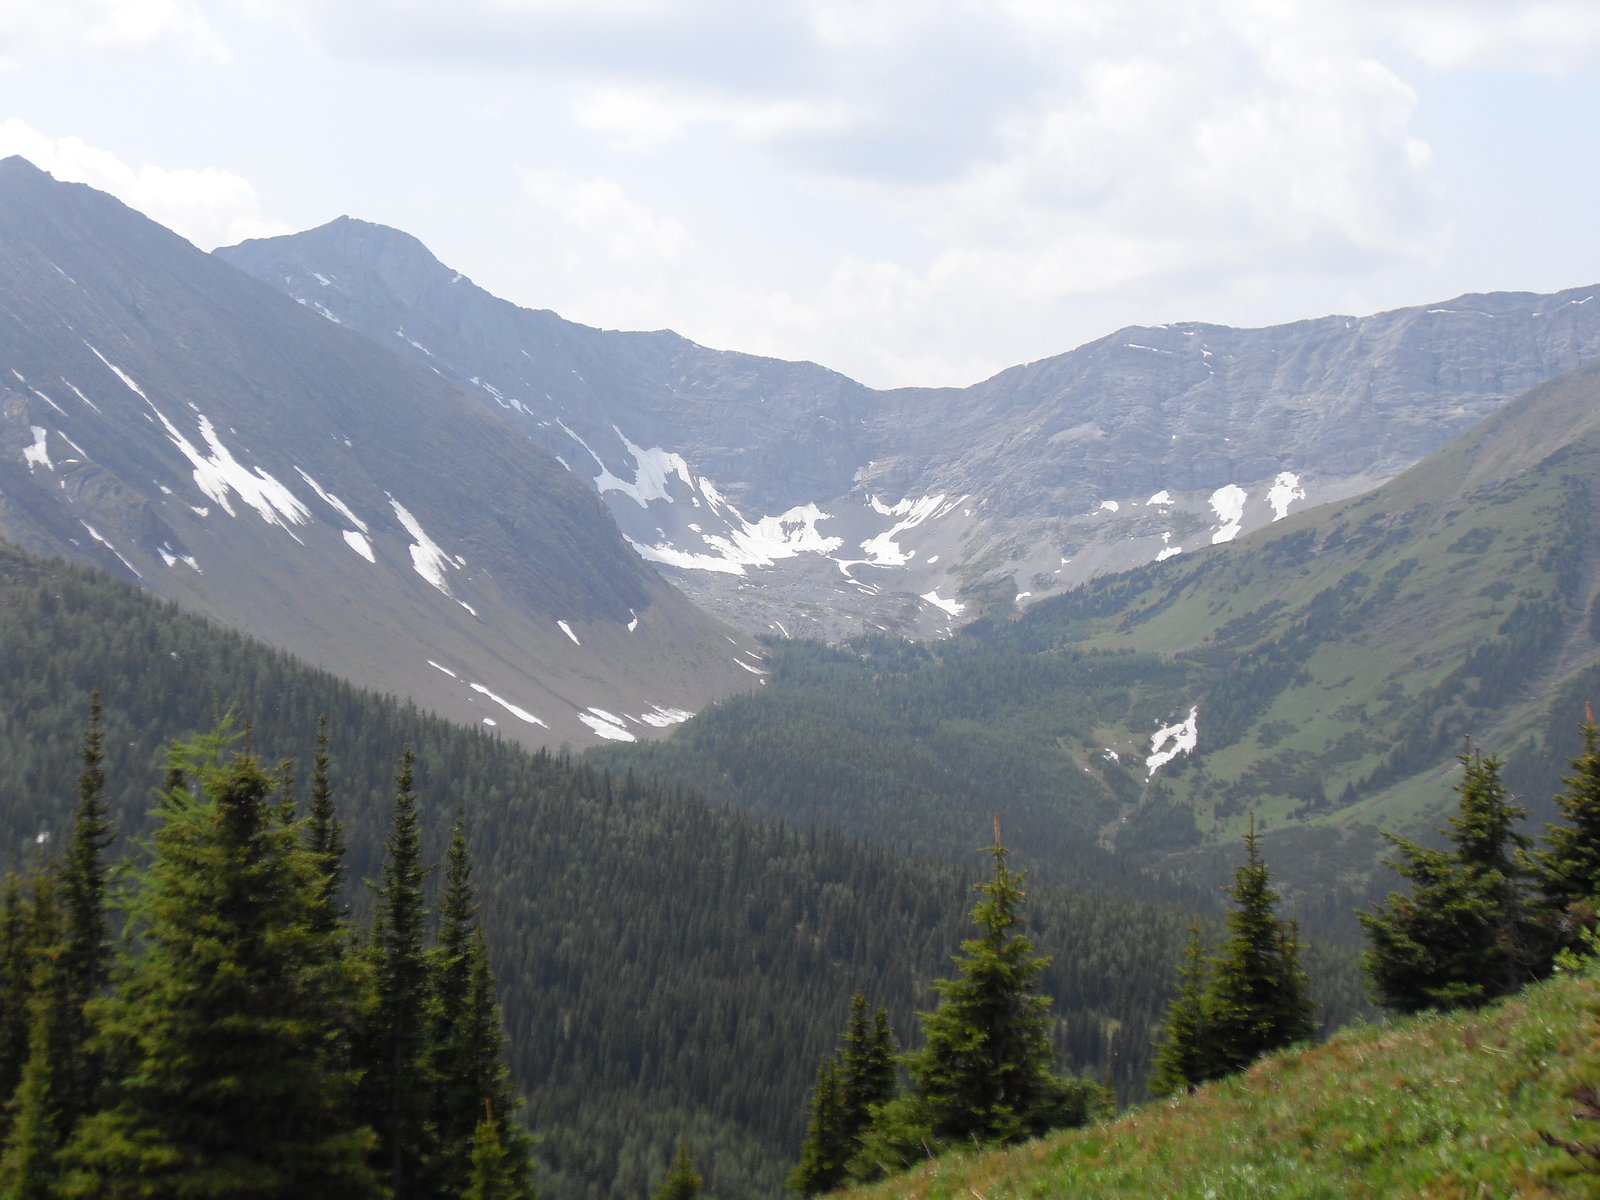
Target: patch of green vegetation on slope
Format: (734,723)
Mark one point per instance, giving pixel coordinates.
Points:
(1445,1106)
(1336,659)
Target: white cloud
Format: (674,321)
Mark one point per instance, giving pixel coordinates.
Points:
(209,206)
(629,232)
(118,26)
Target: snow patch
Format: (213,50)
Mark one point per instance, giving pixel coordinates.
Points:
(952,607)
(567,629)
(1108,506)
(660,718)
(96,535)
(358,542)
(748,667)
(1285,490)
(333,502)
(521,714)
(633,620)
(1228,503)
(1170,741)
(426,558)
(605,725)
(442,667)
(38,454)
(1161,497)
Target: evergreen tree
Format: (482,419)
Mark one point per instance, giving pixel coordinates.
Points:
(325,834)
(28,1167)
(828,1148)
(495,1167)
(682,1181)
(984,1073)
(468,1071)
(1258,999)
(866,1077)
(16,971)
(398,1083)
(222,1079)
(1568,868)
(1462,936)
(85,953)
(1181,1059)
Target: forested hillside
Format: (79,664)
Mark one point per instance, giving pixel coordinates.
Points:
(667,970)
(1319,676)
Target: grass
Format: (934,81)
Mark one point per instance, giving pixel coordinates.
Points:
(1436,1106)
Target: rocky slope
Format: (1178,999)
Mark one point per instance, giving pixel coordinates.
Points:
(168,418)
(790,499)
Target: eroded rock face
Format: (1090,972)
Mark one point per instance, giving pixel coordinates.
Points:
(171,420)
(790,499)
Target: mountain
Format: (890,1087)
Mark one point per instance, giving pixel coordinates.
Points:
(1318,675)
(791,500)
(168,418)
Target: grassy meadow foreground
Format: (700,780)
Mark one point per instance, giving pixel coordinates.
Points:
(1438,1106)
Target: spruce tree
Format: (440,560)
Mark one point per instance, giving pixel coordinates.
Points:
(16,971)
(85,953)
(223,1074)
(28,1162)
(1181,1059)
(827,1149)
(325,835)
(1462,937)
(1568,868)
(398,1091)
(984,1073)
(851,1085)
(682,1181)
(468,1071)
(1258,999)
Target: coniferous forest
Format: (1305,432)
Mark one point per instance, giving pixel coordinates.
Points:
(667,971)
(226,863)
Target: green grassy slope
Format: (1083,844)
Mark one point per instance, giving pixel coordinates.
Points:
(1436,1106)
(1336,659)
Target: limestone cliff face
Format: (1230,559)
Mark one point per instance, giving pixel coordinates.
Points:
(790,499)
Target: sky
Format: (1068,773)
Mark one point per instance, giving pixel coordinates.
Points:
(912,192)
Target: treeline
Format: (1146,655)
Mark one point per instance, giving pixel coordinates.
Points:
(666,971)
(246,1041)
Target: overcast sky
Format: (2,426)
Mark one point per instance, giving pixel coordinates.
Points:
(909,191)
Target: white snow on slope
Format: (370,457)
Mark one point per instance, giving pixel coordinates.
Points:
(38,454)
(1108,506)
(884,550)
(426,558)
(119,373)
(567,629)
(1161,497)
(1170,741)
(660,717)
(358,542)
(759,545)
(653,466)
(1228,503)
(606,725)
(96,535)
(1168,549)
(79,394)
(521,714)
(953,607)
(1285,490)
(333,502)
(218,473)
(442,667)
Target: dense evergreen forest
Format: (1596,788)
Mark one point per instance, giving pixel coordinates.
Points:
(667,971)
